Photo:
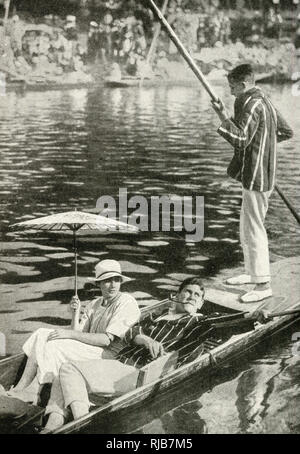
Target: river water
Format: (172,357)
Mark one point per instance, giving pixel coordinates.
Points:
(62,150)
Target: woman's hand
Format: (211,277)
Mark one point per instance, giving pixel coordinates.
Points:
(60,334)
(75,304)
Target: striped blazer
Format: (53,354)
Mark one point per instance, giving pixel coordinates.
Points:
(185,335)
(254,132)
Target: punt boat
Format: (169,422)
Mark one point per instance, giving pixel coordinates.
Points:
(44,83)
(216,76)
(132,81)
(162,374)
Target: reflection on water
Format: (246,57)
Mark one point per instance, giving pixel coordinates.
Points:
(63,150)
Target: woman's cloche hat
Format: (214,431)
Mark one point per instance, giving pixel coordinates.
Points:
(107,269)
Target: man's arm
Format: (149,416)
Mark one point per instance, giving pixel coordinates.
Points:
(239,135)
(155,348)
(284,132)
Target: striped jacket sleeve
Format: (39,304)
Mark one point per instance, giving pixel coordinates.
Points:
(241,135)
(142,328)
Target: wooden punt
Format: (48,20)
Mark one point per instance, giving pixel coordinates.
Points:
(59,85)
(276,78)
(286,289)
(130,81)
(127,82)
(44,84)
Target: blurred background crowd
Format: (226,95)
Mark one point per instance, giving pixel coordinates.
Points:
(120,32)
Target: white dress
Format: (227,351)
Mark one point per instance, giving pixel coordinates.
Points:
(98,317)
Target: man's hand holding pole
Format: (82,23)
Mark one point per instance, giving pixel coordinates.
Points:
(220,109)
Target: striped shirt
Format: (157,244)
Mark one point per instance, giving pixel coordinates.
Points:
(254,132)
(185,335)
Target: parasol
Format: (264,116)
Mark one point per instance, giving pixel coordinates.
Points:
(74,221)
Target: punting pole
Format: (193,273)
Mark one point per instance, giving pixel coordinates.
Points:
(282,314)
(6,9)
(156,34)
(288,203)
(184,52)
(188,58)
(153,45)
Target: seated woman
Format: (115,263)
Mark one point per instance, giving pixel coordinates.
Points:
(112,376)
(98,334)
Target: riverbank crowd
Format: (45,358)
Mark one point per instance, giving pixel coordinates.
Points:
(120,39)
(29,50)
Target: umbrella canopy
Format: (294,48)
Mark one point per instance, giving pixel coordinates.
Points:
(74,221)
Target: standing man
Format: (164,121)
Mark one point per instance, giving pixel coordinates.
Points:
(253,132)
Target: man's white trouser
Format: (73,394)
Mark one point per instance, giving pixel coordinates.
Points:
(253,235)
(79,379)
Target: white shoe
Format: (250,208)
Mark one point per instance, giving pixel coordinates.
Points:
(239,280)
(256,295)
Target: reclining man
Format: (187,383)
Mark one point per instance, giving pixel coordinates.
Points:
(174,331)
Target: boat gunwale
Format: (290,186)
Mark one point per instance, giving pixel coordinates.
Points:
(204,360)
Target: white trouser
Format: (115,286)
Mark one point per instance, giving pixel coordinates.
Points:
(79,379)
(50,355)
(253,235)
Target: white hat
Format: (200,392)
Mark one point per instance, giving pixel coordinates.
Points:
(93,24)
(71,18)
(107,269)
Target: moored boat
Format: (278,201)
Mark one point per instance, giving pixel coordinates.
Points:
(65,82)
(217,76)
(129,81)
(156,378)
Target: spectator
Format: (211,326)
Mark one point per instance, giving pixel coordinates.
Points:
(297,38)
(274,24)
(93,40)
(70,28)
(107,20)
(16,32)
(102,41)
(131,66)
(128,43)
(201,32)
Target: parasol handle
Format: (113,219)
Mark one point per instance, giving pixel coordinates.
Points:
(75,261)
